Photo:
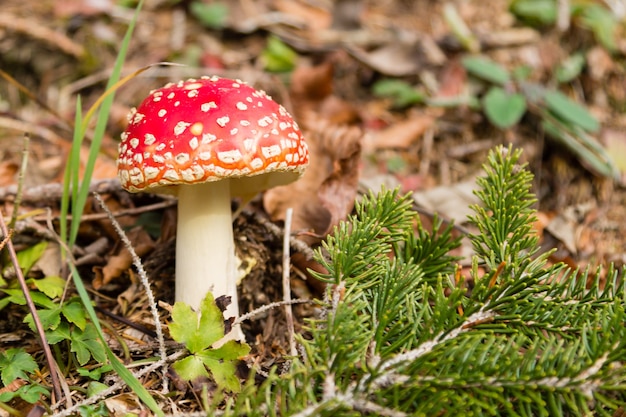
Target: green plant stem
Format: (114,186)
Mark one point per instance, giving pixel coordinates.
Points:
(54,374)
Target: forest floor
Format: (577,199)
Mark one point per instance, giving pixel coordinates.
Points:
(384,96)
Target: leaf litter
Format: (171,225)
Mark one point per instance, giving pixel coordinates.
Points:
(358,140)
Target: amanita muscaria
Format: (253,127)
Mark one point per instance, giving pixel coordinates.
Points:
(207,140)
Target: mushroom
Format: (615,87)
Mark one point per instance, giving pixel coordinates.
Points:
(207,140)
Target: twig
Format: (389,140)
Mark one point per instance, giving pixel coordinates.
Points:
(33,311)
(144,280)
(286,283)
(120,384)
(20,182)
(54,191)
(266,307)
(296,244)
(37,31)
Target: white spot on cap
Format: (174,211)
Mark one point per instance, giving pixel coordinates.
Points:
(229,157)
(248,144)
(188,175)
(160,147)
(182,158)
(270,151)
(180,127)
(149,139)
(176,103)
(265,121)
(256,163)
(171,95)
(138,158)
(204,156)
(138,117)
(244,122)
(283,125)
(205,107)
(223,121)
(150,173)
(234,131)
(193,143)
(193,85)
(241,106)
(192,93)
(158,159)
(162,112)
(207,138)
(134,142)
(172,175)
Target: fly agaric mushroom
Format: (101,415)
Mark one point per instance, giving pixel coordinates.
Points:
(205,141)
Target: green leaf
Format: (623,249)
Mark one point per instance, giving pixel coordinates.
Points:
(95,373)
(86,344)
(27,257)
(486,69)
(569,111)
(29,393)
(95,387)
(222,372)
(190,368)
(504,109)
(602,23)
(52,286)
(50,319)
(277,56)
(14,364)
(541,12)
(197,330)
(62,332)
(570,69)
(213,15)
(75,313)
(400,92)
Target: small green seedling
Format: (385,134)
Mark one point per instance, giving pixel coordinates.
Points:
(510,96)
(198,331)
(278,56)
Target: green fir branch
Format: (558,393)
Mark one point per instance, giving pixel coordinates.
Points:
(398,335)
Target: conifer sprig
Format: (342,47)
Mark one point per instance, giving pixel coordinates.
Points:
(398,335)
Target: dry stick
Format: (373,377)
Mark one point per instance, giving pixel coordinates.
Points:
(144,280)
(286,283)
(33,311)
(120,384)
(20,182)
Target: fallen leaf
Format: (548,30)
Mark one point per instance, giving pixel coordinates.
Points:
(452,202)
(141,242)
(312,83)
(326,193)
(402,134)
(312,16)
(453,80)
(8,170)
(396,58)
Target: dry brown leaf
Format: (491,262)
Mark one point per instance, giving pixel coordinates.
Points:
(315,18)
(141,242)
(326,192)
(312,83)
(453,80)
(402,134)
(396,59)
(8,169)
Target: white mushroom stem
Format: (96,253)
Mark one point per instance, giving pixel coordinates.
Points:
(205,249)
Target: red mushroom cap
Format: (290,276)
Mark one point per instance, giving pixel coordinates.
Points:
(210,129)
